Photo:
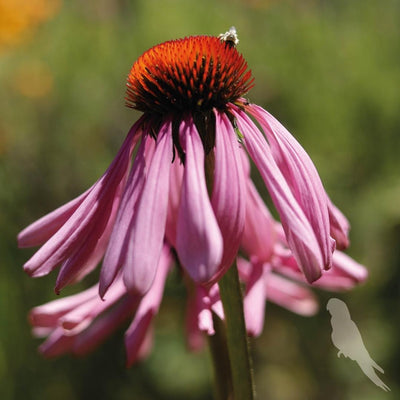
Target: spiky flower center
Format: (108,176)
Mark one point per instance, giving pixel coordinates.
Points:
(192,74)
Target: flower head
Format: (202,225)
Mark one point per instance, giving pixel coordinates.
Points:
(189,186)
(193,74)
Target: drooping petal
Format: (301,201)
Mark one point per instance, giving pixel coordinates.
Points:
(40,332)
(146,345)
(349,267)
(57,344)
(229,192)
(290,295)
(254,298)
(204,314)
(148,307)
(75,230)
(105,325)
(344,274)
(339,226)
(91,251)
(301,176)
(48,315)
(259,233)
(83,315)
(299,233)
(259,229)
(118,244)
(202,304)
(198,240)
(194,334)
(215,301)
(65,240)
(148,227)
(194,337)
(77,324)
(175,185)
(90,334)
(44,228)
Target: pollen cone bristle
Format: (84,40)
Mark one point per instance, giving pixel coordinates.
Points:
(191,74)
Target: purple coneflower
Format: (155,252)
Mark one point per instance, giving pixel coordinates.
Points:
(188,188)
(187,182)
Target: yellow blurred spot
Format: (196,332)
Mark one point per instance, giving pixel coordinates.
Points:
(33,80)
(19,17)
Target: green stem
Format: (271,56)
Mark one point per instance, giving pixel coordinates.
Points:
(223,388)
(230,350)
(237,340)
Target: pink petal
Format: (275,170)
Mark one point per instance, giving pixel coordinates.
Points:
(198,239)
(136,333)
(254,298)
(339,226)
(120,238)
(175,185)
(148,226)
(344,274)
(71,235)
(194,336)
(104,326)
(82,321)
(199,316)
(215,301)
(229,192)
(290,295)
(57,344)
(302,177)
(65,240)
(245,163)
(349,267)
(44,228)
(203,312)
(48,314)
(259,233)
(299,233)
(146,345)
(83,315)
(90,253)
(40,332)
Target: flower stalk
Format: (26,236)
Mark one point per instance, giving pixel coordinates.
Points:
(223,386)
(236,336)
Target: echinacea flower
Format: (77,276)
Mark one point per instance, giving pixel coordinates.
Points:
(187,180)
(188,188)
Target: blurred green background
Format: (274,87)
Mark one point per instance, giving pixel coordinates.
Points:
(328,70)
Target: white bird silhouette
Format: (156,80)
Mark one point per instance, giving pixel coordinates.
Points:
(347,339)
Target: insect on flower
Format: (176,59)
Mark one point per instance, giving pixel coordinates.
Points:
(230,37)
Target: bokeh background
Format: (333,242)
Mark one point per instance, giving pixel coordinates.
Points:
(328,69)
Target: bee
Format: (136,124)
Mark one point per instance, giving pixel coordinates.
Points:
(230,37)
